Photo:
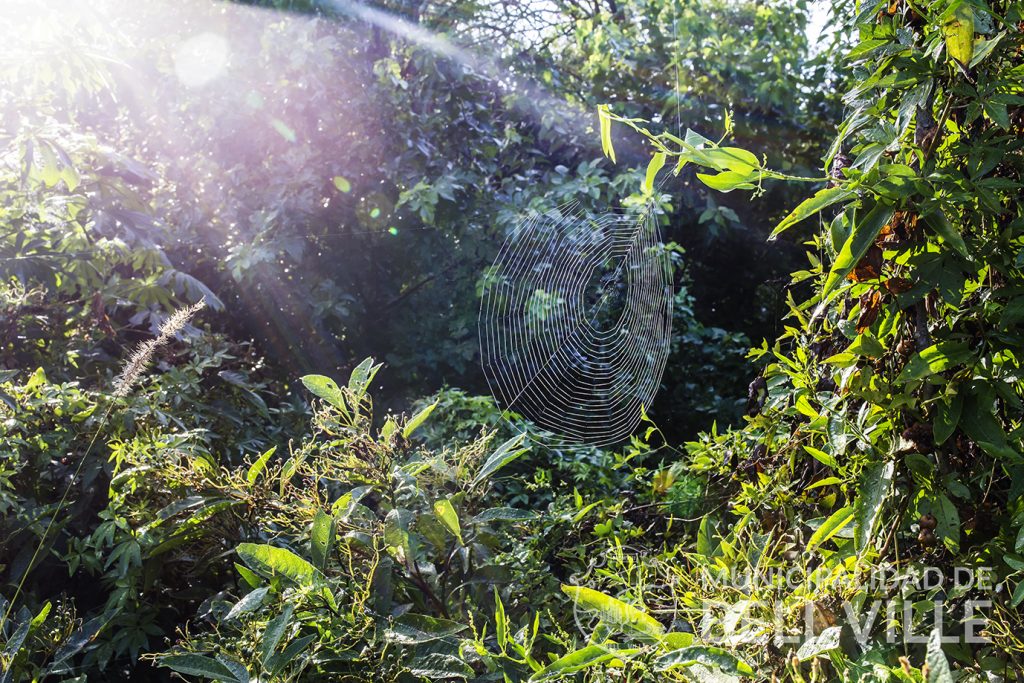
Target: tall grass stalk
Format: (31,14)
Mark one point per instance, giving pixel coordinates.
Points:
(133,369)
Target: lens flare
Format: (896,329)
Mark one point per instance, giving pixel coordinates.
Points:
(201,59)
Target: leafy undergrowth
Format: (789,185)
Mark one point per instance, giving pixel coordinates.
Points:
(866,523)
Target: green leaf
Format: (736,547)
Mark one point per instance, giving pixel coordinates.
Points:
(506,453)
(1018,595)
(585,658)
(500,623)
(604,117)
(438,666)
(259,465)
(947,417)
(820,644)
(277,663)
(269,560)
(727,181)
(937,221)
(445,512)
(958,31)
(657,161)
(938,666)
(17,640)
(827,481)
(998,112)
(936,358)
(824,458)
(327,389)
(321,538)
(251,579)
(342,184)
(417,420)
(413,629)
(831,526)
(807,208)
(676,640)
(707,544)
(198,665)
(980,422)
(866,227)
(872,492)
(273,633)
(503,515)
(250,601)
(362,375)
(714,657)
(615,612)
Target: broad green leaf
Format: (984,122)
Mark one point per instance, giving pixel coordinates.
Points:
(362,375)
(604,117)
(269,560)
(587,657)
(947,417)
(500,624)
(503,515)
(198,665)
(807,208)
(827,481)
(321,538)
(615,612)
(958,30)
(676,640)
(445,512)
(438,666)
(824,458)
(713,657)
(980,422)
(830,527)
(278,662)
(657,161)
(505,453)
(936,358)
(820,644)
(937,221)
(13,646)
(259,465)
(707,543)
(938,665)
(273,633)
(251,579)
(417,420)
(872,492)
(735,159)
(727,181)
(327,389)
(413,629)
(866,227)
(250,601)
(1018,595)
(237,668)
(983,48)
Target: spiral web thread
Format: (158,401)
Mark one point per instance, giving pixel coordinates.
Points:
(575,321)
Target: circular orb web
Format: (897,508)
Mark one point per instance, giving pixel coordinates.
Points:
(576,322)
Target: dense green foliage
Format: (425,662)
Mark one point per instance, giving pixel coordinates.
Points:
(333,183)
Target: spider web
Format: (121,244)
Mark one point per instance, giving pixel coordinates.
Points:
(576,321)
